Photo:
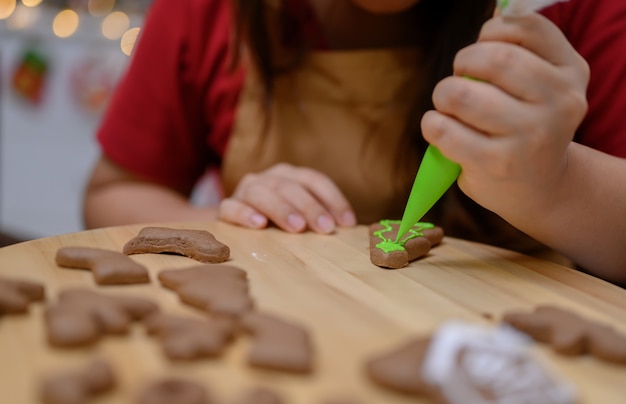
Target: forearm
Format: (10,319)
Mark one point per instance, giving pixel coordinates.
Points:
(133,202)
(583,217)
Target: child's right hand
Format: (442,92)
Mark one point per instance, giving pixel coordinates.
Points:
(293,198)
(511,129)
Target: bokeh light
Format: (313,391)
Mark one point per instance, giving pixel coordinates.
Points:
(23,17)
(65,23)
(31,3)
(98,8)
(115,24)
(128,40)
(6,8)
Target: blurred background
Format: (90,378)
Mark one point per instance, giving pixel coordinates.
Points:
(59,63)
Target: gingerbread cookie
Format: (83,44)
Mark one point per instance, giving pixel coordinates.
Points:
(199,245)
(108,267)
(278,344)
(81,316)
(570,334)
(174,390)
(465,363)
(17,294)
(78,386)
(185,338)
(217,289)
(385,252)
(400,368)
(260,395)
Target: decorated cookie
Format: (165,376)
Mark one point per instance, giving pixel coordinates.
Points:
(174,390)
(17,294)
(79,385)
(108,267)
(570,334)
(278,344)
(186,338)
(466,363)
(385,252)
(199,245)
(81,316)
(217,289)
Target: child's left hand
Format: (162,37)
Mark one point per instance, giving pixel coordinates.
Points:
(511,128)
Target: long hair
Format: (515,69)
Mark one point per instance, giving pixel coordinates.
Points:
(445,27)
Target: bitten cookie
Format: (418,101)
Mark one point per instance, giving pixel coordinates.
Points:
(278,344)
(199,245)
(570,334)
(385,252)
(81,316)
(17,294)
(217,289)
(78,386)
(108,267)
(186,338)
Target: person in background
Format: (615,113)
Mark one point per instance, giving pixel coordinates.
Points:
(314,114)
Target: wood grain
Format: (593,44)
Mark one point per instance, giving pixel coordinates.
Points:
(353,309)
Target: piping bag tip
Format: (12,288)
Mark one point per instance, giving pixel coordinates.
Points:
(435,175)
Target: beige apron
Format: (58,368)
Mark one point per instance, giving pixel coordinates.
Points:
(343,113)
(339,113)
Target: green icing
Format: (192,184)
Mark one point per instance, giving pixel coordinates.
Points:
(388,244)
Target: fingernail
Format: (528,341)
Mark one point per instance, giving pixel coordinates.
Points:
(348,219)
(296,222)
(258,220)
(325,224)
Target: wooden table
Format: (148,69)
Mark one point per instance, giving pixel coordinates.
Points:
(353,309)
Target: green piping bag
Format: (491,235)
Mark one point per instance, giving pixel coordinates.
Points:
(435,175)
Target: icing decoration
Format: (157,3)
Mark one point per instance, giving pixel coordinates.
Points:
(389,245)
(481,365)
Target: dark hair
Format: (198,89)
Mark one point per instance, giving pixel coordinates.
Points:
(445,27)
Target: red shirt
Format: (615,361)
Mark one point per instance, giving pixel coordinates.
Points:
(172,113)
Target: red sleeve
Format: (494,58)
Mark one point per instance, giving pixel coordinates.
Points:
(597,29)
(172,112)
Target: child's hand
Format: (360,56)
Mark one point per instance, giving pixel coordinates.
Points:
(510,129)
(294,198)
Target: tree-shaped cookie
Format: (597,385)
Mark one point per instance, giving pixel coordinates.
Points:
(386,252)
(82,316)
(217,289)
(108,267)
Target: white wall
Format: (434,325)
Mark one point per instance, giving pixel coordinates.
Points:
(46,150)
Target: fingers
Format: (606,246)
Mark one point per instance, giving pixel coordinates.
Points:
(482,106)
(459,142)
(236,212)
(527,56)
(533,32)
(293,198)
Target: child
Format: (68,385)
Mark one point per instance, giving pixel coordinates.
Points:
(316,112)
